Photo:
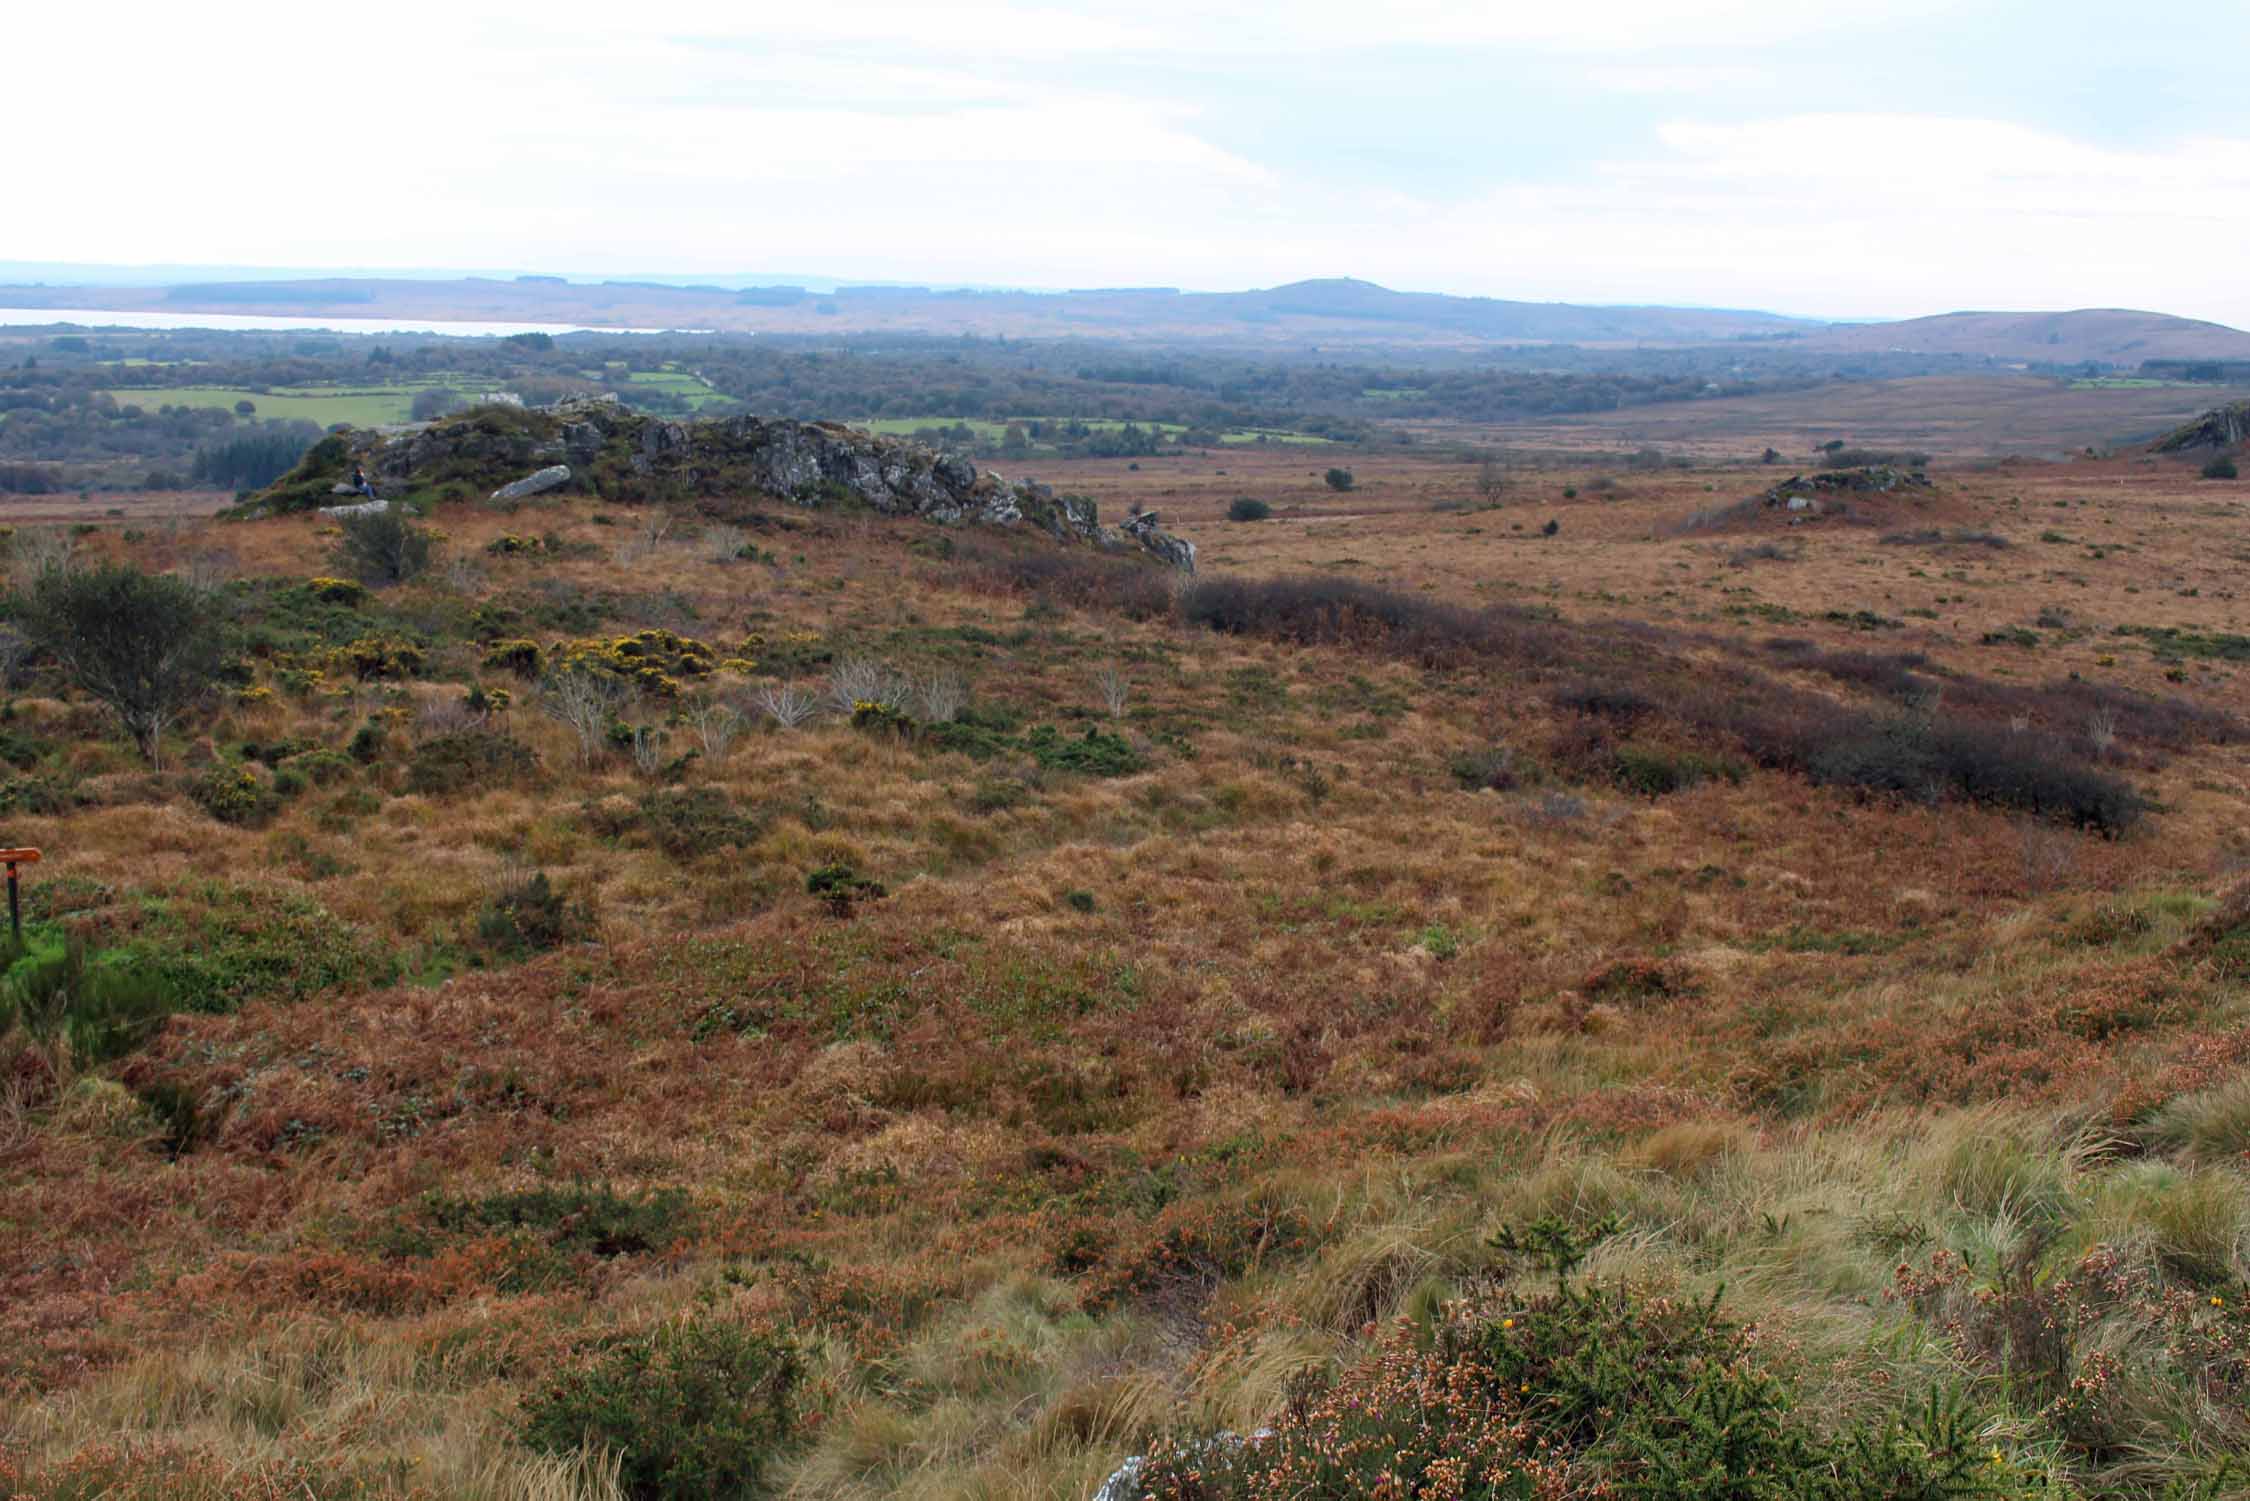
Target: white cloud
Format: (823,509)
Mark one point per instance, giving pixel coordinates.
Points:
(992,143)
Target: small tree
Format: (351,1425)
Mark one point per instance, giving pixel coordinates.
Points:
(1248,508)
(1338,479)
(146,645)
(2221,467)
(1491,479)
(382,547)
(435,402)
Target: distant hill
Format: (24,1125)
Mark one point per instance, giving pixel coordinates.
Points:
(1334,312)
(2120,336)
(1339,311)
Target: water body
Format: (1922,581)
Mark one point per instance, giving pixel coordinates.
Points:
(255,322)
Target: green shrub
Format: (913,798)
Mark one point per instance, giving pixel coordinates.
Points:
(1094,753)
(529,915)
(1654,771)
(2221,467)
(468,760)
(98,1010)
(688,821)
(147,646)
(382,547)
(1248,508)
(1339,479)
(322,767)
(697,1410)
(594,1220)
(840,886)
(218,946)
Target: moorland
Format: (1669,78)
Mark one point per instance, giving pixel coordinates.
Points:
(1544,968)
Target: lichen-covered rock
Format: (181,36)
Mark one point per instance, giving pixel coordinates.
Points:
(553,477)
(602,446)
(1876,479)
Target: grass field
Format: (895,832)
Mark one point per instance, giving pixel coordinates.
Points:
(362,406)
(1125,1012)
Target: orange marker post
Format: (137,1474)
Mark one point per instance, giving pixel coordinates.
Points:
(12,859)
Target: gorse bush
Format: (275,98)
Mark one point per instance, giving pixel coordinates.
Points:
(697,1409)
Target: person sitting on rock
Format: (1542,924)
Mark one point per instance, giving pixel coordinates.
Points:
(359,483)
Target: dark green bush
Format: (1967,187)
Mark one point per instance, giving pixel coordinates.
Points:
(468,760)
(697,1410)
(2221,467)
(145,645)
(1654,771)
(688,821)
(1094,753)
(577,1218)
(100,1009)
(1339,479)
(1248,508)
(841,887)
(529,916)
(382,547)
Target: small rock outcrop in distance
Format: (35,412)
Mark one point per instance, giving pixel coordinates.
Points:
(601,447)
(2221,427)
(1877,479)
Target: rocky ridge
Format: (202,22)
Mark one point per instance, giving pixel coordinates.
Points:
(611,451)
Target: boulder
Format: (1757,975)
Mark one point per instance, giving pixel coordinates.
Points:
(364,508)
(534,484)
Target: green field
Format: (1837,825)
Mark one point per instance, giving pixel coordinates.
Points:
(362,406)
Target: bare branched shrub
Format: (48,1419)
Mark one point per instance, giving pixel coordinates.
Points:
(940,697)
(2101,732)
(586,702)
(1110,681)
(210,569)
(786,704)
(445,716)
(863,680)
(716,724)
(724,544)
(2049,855)
(645,541)
(15,649)
(461,576)
(648,749)
(36,551)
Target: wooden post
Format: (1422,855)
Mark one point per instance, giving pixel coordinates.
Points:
(13,858)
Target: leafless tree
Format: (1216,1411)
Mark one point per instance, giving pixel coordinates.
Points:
(786,704)
(940,697)
(716,723)
(587,702)
(863,680)
(1115,688)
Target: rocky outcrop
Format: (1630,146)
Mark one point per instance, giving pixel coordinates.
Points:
(1877,479)
(2221,427)
(604,448)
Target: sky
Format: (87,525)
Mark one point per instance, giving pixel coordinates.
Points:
(1887,160)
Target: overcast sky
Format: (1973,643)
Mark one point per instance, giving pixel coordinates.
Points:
(1894,159)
